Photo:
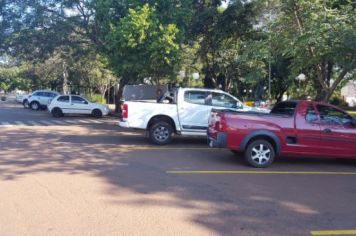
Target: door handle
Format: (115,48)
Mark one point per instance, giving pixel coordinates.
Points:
(327,130)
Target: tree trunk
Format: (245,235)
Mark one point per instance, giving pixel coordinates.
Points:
(65,77)
(125,79)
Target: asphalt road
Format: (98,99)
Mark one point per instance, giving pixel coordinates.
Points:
(93,178)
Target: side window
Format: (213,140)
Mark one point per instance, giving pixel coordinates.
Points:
(52,95)
(196,97)
(284,108)
(40,94)
(311,115)
(63,99)
(78,100)
(223,100)
(330,115)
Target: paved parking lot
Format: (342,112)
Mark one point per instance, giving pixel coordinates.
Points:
(93,178)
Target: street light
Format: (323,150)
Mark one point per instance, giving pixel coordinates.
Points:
(300,78)
(195,76)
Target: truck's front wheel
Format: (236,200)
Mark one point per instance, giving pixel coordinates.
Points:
(160,133)
(260,153)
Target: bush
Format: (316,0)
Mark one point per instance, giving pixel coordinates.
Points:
(337,101)
(96,98)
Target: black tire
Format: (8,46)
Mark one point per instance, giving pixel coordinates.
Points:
(260,153)
(26,104)
(57,112)
(97,113)
(160,133)
(35,106)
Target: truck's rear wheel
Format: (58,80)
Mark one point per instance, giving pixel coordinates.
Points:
(160,133)
(260,153)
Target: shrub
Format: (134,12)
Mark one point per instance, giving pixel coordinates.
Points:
(337,101)
(96,98)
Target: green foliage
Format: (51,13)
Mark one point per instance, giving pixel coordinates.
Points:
(98,98)
(141,45)
(12,78)
(320,38)
(77,41)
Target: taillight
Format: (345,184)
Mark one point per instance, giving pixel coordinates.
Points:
(125,111)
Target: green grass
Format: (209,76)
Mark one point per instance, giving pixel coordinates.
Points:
(352,113)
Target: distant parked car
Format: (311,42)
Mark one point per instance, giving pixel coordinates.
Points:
(39,99)
(74,104)
(21,97)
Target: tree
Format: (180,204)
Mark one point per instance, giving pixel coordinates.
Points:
(140,46)
(13,77)
(320,38)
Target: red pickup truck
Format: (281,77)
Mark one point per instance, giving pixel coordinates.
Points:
(292,128)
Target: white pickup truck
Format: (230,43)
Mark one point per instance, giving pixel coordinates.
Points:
(184,112)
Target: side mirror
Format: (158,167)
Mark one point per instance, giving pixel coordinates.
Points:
(239,105)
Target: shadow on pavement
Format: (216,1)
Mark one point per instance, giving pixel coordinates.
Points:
(224,204)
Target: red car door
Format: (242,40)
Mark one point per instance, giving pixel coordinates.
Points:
(338,132)
(308,128)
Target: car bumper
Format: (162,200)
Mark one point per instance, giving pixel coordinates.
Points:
(124,124)
(106,112)
(219,142)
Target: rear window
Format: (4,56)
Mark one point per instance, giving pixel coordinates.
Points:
(284,108)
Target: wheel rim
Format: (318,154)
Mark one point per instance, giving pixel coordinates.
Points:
(161,133)
(26,104)
(35,106)
(261,154)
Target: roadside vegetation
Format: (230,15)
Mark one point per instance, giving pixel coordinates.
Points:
(252,49)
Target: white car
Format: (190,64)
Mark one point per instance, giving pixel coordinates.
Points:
(21,97)
(74,104)
(39,99)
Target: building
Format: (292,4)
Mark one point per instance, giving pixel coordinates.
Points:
(348,92)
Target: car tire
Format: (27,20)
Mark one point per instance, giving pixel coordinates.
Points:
(260,153)
(35,106)
(160,133)
(97,113)
(26,104)
(57,112)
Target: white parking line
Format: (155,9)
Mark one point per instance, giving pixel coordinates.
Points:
(70,121)
(6,124)
(84,121)
(59,122)
(45,122)
(33,122)
(95,121)
(19,123)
